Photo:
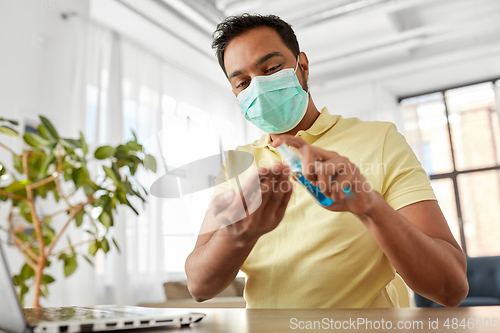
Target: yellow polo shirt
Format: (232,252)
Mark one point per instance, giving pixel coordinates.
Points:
(316,258)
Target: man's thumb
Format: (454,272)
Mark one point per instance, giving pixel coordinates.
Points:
(222,201)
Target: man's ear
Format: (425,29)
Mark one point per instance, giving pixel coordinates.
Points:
(304,64)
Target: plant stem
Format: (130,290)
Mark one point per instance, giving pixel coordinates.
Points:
(61,193)
(38,282)
(19,243)
(27,259)
(72,215)
(45,218)
(72,247)
(22,247)
(42,259)
(13,196)
(10,150)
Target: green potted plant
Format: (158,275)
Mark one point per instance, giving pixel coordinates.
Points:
(36,178)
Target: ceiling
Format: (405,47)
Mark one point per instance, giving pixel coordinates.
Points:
(344,38)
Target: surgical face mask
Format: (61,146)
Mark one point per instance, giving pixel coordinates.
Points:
(275,103)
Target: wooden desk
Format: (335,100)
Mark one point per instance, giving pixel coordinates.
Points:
(415,319)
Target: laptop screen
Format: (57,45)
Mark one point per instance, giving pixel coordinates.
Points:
(11,315)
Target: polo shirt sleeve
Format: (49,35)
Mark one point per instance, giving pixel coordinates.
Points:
(405,180)
(221,183)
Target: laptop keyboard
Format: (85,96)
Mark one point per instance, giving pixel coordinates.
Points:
(34,316)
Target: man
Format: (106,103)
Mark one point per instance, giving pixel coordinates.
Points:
(296,253)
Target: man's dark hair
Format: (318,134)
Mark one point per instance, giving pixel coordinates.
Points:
(234,26)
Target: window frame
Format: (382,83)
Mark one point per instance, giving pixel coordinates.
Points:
(453,175)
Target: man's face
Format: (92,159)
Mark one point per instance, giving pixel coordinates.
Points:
(257,52)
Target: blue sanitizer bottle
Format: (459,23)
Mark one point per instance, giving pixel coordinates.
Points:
(291,158)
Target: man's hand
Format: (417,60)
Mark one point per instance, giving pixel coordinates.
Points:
(337,177)
(416,238)
(231,229)
(265,200)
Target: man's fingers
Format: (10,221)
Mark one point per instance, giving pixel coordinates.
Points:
(292,141)
(222,201)
(280,188)
(289,140)
(307,154)
(251,186)
(324,184)
(271,181)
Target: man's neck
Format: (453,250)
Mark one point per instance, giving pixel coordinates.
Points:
(310,117)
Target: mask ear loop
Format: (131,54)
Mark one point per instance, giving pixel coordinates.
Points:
(295,70)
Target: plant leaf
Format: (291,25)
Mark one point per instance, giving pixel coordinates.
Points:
(110,173)
(116,245)
(104,152)
(9,131)
(79,218)
(48,234)
(42,131)
(16,279)
(88,260)
(89,189)
(47,279)
(44,291)
(70,266)
(16,186)
(13,122)
(46,163)
(50,128)
(71,143)
(83,144)
(93,248)
(105,245)
(122,197)
(116,171)
(133,145)
(35,140)
(150,162)
(18,164)
(22,236)
(24,291)
(105,219)
(26,272)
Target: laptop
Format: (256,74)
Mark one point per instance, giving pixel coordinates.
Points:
(80,318)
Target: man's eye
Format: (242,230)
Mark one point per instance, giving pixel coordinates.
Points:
(242,84)
(272,69)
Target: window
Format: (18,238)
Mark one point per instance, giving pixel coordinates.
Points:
(456,135)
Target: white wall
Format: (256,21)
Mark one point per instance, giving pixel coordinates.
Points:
(37,67)
(37,61)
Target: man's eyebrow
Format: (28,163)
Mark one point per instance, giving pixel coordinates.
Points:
(267,57)
(233,74)
(258,63)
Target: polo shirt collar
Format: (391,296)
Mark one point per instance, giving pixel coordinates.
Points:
(323,123)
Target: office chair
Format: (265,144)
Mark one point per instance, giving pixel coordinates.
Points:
(483,274)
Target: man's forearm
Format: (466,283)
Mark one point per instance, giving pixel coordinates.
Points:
(430,266)
(212,267)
